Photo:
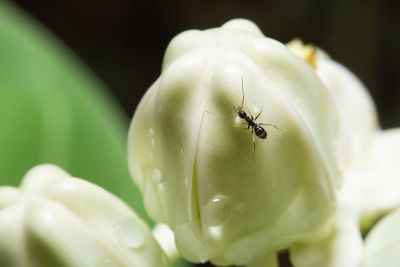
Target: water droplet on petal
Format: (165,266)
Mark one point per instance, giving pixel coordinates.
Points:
(151,133)
(238,122)
(216,211)
(157,176)
(241,208)
(131,233)
(151,196)
(151,136)
(256,110)
(161,189)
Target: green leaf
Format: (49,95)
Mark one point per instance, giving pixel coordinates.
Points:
(52,110)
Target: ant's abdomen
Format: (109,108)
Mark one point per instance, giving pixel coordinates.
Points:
(260,132)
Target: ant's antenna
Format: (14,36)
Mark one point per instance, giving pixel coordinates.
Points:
(241,107)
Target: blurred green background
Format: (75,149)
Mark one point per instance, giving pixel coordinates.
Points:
(83,110)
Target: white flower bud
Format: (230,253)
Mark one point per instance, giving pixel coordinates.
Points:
(368,192)
(227,201)
(377,181)
(56,220)
(165,237)
(342,245)
(369,161)
(382,244)
(356,110)
(357,114)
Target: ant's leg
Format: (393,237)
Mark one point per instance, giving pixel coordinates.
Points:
(258,114)
(228,116)
(241,107)
(248,126)
(219,116)
(276,127)
(251,116)
(254,141)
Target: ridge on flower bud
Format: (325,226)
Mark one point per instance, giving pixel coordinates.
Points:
(54,219)
(199,173)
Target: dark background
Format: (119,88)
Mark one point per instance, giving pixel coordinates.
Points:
(123,41)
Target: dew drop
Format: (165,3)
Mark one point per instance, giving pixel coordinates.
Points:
(160,189)
(151,199)
(216,211)
(156,176)
(151,133)
(241,208)
(237,122)
(151,136)
(256,109)
(131,233)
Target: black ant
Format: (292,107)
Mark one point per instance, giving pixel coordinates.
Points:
(250,121)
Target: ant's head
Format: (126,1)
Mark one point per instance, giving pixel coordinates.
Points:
(242,114)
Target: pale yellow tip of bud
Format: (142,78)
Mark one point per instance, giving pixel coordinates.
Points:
(304,51)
